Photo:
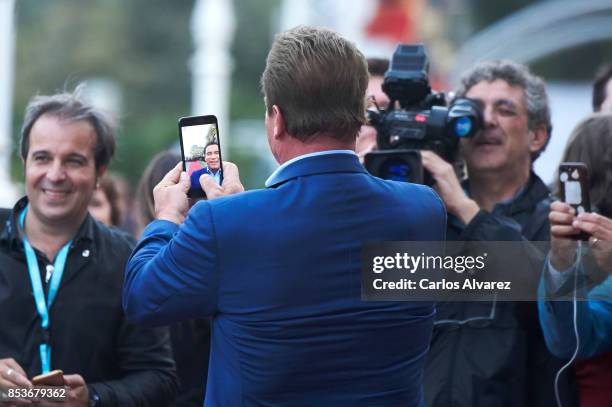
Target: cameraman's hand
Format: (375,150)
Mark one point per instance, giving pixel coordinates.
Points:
(366,142)
(170,196)
(448,187)
(231,182)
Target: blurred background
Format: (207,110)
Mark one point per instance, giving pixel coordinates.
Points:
(150,62)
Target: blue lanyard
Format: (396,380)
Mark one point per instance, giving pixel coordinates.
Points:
(43,306)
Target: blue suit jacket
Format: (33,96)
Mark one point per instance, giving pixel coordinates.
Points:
(195,176)
(279,271)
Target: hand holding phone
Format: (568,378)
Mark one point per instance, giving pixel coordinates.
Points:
(53,378)
(574,189)
(200,151)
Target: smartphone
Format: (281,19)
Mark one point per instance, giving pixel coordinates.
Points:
(53,378)
(200,150)
(574,188)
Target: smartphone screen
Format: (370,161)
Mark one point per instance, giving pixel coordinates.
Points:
(201,151)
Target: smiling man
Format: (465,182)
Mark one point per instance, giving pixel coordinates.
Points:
(213,165)
(501,359)
(61,271)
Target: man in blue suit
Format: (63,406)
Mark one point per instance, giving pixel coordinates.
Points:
(213,165)
(278,269)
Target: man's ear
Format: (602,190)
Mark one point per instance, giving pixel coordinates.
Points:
(538,138)
(278,123)
(100,174)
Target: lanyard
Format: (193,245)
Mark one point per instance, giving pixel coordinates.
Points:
(43,306)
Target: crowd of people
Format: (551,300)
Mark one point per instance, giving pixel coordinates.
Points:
(254,298)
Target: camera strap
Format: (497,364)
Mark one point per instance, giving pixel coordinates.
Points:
(43,306)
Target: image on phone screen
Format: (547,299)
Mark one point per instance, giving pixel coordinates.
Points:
(201,150)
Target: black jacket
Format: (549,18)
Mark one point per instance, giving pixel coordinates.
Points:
(502,360)
(124,364)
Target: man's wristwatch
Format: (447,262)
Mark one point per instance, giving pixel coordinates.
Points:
(94,399)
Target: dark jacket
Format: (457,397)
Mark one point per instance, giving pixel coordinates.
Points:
(501,360)
(124,364)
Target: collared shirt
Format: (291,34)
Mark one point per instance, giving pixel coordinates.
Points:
(271,178)
(216,174)
(124,364)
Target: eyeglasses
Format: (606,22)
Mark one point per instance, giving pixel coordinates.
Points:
(472,322)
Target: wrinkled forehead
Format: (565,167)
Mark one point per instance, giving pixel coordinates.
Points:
(497,92)
(54,134)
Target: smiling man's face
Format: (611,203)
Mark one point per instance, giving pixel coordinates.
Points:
(504,144)
(211,157)
(60,170)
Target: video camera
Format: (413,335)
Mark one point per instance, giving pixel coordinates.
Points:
(422,122)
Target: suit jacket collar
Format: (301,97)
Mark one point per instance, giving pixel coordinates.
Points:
(312,164)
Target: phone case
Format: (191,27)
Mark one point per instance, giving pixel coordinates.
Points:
(53,378)
(574,188)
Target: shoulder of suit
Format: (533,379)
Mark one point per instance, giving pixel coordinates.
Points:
(412,187)
(410,192)
(239,199)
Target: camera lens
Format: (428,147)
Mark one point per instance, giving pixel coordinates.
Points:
(396,170)
(398,165)
(462,127)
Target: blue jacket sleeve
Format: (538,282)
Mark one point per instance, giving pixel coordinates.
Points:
(593,317)
(173,272)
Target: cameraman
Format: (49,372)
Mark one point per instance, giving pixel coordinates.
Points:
(366,140)
(502,360)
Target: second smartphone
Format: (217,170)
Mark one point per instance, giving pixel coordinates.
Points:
(574,188)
